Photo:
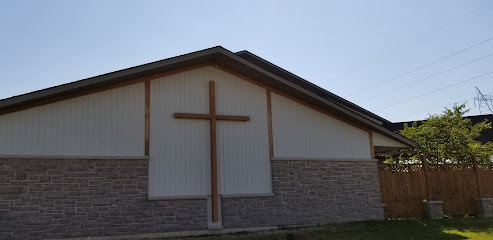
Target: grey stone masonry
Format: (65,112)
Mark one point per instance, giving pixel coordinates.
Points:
(83,198)
(311,192)
(485,207)
(434,209)
(42,198)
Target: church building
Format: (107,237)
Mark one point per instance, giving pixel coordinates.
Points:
(207,142)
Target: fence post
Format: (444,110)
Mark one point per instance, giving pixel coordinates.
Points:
(476,169)
(425,170)
(433,209)
(484,205)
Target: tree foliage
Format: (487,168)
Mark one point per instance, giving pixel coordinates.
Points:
(448,138)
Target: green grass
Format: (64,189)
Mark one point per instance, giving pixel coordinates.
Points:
(448,229)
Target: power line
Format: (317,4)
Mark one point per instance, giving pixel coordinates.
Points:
(435,108)
(457,19)
(432,76)
(424,66)
(431,109)
(428,93)
(425,36)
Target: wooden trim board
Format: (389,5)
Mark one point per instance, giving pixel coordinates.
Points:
(184,197)
(372,147)
(322,159)
(147,115)
(248,195)
(292,98)
(68,157)
(99,89)
(269,122)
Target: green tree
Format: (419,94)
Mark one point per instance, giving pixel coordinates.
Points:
(448,138)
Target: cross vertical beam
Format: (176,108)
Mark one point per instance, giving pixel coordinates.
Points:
(212,104)
(213,117)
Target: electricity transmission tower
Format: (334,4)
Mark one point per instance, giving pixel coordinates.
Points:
(484,102)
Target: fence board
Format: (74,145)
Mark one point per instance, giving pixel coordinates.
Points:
(404,188)
(485,175)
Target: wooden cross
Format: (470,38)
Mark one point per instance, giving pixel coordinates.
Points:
(213,118)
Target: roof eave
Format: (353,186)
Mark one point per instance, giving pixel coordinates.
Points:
(217,55)
(111,78)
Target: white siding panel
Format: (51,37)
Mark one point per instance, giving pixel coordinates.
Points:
(301,132)
(108,123)
(180,148)
(243,147)
(383,141)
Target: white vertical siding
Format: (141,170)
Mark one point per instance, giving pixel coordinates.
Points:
(180,148)
(301,132)
(381,140)
(108,123)
(243,147)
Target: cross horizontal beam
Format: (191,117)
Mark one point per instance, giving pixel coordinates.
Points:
(209,116)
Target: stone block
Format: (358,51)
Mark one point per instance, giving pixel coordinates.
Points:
(56,195)
(20,175)
(434,209)
(485,207)
(40,221)
(11,190)
(44,178)
(77,167)
(102,202)
(35,168)
(25,208)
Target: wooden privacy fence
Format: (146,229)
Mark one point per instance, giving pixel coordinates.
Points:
(405,187)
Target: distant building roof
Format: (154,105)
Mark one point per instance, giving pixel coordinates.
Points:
(486,136)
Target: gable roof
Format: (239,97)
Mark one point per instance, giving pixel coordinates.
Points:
(244,63)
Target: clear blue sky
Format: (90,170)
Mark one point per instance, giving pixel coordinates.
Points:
(342,46)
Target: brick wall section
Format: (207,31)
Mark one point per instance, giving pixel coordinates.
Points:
(311,192)
(80,198)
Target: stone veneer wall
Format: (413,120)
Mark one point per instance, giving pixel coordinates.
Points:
(311,192)
(79,198)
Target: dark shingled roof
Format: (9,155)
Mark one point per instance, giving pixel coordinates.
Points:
(306,84)
(486,136)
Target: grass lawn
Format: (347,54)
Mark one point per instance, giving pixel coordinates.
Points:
(455,228)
